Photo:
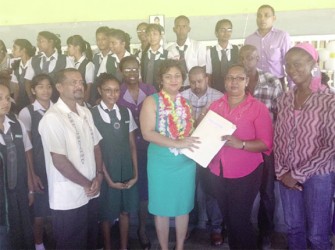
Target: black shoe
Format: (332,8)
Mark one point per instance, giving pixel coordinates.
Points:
(145,244)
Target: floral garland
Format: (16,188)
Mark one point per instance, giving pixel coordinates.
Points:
(175,118)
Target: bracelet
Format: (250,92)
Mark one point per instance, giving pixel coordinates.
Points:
(100,172)
(243,145)
(31,192)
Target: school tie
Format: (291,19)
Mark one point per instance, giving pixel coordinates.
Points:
(23,72)
(11,159)
(150,69)
(224,63)
(76,65)
(46,64)
(182,57)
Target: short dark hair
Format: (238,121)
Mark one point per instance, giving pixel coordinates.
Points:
(38,78)
(181,17)
(167,65)
(222,21)
(104,77)
(128,59)
(197,70)
(60,75)
(267,6)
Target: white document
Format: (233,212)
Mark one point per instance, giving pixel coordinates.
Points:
(210,130)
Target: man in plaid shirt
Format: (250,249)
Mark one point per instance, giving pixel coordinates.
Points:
(200,96)
(266,88)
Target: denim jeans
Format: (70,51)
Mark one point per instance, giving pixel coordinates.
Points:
(4,242)
(307,213)
(210,203)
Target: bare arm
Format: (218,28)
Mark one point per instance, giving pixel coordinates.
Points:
(66,168)
(256,146)
(133,152)
(96,182)
(30,177)
(27,85)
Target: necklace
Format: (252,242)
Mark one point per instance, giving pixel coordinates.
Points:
(297,102)
(175,118)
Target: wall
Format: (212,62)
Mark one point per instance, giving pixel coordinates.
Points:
(74,17)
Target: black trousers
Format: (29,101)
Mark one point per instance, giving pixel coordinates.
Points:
(267,197)
(76,228)
(236,198)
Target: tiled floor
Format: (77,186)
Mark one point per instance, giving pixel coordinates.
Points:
(199,239)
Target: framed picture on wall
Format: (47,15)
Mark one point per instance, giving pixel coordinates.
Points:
(158,19)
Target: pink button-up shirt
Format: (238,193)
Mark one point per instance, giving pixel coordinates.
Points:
(253,122)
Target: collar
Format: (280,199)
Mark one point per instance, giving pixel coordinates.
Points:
(81,59)
(24,66)
(102,56)
(38,106)
(160,50)
(6,124)
(66,110)
(229,47)
(104,106)
(271,30)
(116,57)
(54,55)
(187,42)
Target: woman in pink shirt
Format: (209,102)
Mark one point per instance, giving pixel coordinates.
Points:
(237,168)
(304,150)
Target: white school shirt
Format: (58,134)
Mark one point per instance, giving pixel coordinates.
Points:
(21,66)
(105,117)
(195,54)
(25,116)
(30,73)
(74,136)
(25,138)
(103,61)
(209,66)
(89,73)
(103,65)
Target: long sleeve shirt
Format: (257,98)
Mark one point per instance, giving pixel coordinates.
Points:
(305,139)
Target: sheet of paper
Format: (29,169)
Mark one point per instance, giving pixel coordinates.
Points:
(210,130)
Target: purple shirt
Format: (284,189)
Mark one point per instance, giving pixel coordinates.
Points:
(271,50)
(305,141)
(252,120)
(126,100)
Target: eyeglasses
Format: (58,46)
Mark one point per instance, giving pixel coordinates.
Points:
(134,70)
(237,78)
(226,30)
(141,31)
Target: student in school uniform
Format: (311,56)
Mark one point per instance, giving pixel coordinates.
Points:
(18,192)
(142,37)
(119,194)
(119,43)
(41,88)
(50,60)
(221,56)
(81,53)
(188,51)
(22,49)
(133,92)
(99,58)
(153,57)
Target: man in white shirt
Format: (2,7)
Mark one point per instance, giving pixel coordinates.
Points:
(73,165)
(189,52)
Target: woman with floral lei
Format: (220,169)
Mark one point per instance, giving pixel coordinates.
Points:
(166,122)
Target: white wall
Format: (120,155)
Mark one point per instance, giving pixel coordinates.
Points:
(297,23)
